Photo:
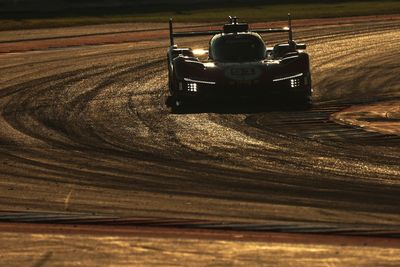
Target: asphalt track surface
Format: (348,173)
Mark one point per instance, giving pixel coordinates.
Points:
(85,136)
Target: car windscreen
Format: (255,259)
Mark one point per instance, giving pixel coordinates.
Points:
(237,48)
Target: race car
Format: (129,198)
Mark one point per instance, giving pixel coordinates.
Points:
(239,65)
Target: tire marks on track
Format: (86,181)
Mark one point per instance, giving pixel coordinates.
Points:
(96,124)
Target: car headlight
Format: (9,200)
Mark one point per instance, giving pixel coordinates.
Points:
(295,82)
(192,87)
(292,77)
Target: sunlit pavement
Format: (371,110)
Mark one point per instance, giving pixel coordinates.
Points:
(84,130)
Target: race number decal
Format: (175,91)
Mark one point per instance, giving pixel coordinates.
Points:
(243,73)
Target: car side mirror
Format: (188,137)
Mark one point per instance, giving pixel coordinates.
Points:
(268,51)
(301,46)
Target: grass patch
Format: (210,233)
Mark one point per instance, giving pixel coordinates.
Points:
(250,13)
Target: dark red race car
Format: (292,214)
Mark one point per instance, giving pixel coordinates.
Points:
(239,66)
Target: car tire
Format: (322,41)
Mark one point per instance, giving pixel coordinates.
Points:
(304,104)
(177,105)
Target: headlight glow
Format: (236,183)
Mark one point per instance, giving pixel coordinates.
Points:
(288,78)
(192,87)
(294,83)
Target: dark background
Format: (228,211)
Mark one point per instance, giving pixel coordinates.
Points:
(55,8)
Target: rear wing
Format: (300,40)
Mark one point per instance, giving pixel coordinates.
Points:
(234,23)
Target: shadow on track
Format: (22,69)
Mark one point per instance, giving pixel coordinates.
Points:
(238,106)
